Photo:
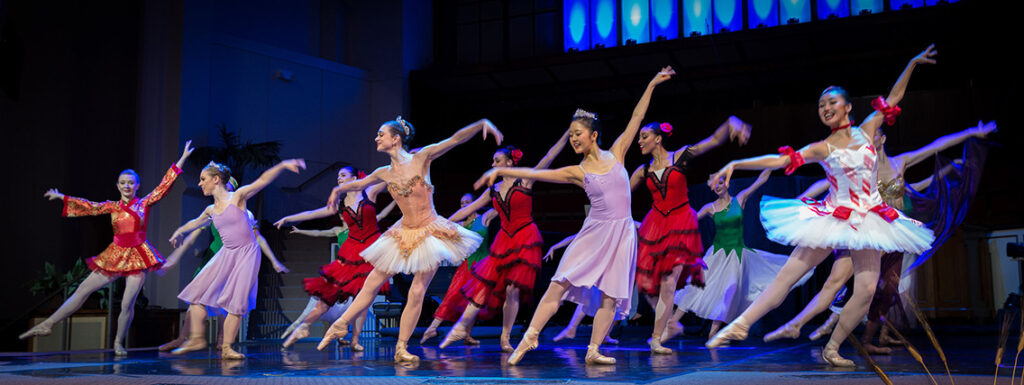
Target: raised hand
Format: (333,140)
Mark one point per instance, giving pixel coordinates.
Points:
(725,172)
(549,255)
(53,194)
(490,127)
(294,230)
(739,130)
(294,165)
(278,267)
(335,199)
(488,178)
(282,222)
(926,56)
(983,129)
(665,74)
(176,239)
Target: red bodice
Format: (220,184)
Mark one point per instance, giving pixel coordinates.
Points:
(362,222)
(516,209)
(669,191)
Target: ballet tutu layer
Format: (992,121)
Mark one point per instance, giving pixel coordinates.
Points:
(664,243)
(734,281)
(454,303)
(602,259)
(514,261)
(815,224)
(413,250)
(119,261)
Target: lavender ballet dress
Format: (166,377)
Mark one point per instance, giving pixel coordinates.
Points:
(602,258)
(227,284)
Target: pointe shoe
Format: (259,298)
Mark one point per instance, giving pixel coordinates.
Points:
(528,343)
(785,331)
(39,330)
(833,358)
(428,334)
(471,341)
(671,331)
(454,335)
(656,347)
(403,355)
(506,346)
(119,350)
(356,347)
(886,340)
(337,331)
(299,333)
(876,350)
(610,340)
(194,343)
(227,353)
(596,358)
(825,328)
(734,332)
(171,345)
(569,333)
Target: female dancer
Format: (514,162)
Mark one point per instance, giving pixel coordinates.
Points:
(212,250)
(342,278)
(669,241)
(854,217)
(597,268)
(736,274)
(421,240)
(893,190)
(228,283)
(454,303)
(508,274)
(129,255)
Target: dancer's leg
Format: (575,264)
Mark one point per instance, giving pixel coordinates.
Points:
(673,327)
(431,331)
(547,308)
(460,331)
(132,287)
(196,338)
(865,281)
(602,325)
(663,309)
(570,329)
(93,282)
(411,314)
(802,260)
(310,305)
(302,331)
(842,270)
(363,300)
(508,317)
(885,296)
(228,335)
(357,328)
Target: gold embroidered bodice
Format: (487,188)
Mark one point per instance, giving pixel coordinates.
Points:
(892,192)
(415,199)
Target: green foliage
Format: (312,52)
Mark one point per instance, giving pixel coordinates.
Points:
(236,155)
(49,280)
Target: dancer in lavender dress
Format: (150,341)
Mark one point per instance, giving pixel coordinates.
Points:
(227,284)
(598,268)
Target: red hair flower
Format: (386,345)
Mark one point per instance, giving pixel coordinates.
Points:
(666,128)
(516,154)
(360,174)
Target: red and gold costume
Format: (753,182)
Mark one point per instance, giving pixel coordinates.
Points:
(129,253)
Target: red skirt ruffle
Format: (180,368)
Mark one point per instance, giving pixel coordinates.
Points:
(514,261)
(344,277)
(666,242)
(120,261)
(454,303)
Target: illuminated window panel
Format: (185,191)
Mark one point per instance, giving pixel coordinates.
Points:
(905,4)
(575,25)
(636,27)
(865,7)
(603,26)
(762,13)
(794,11)
(696,17)
(728,15)
(664,19)
(833,9)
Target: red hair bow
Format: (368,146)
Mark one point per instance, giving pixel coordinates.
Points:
(795,159)
(517,154)
(890,112)
(666,128)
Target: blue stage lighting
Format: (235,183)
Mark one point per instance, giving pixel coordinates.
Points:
(664,19)
(728,15)
(574,25)
(794,11)
(762,13)
(865,7)
(833,9)
(636,21)
(696,17)
(603,25)
(934,2)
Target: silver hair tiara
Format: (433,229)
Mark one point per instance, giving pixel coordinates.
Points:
(581,113)
(402,122)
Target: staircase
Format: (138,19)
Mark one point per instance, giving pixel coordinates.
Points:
(280,297)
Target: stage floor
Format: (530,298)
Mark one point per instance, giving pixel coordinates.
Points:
(752,362)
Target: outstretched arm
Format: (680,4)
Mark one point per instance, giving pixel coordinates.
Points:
(306,215)
(489,216)
(169,177)
(179,251)
(564,175)
(387,210)
(707,209)
(761,179)
(478,204)
(332,232)
(267,252)
(816,189)
(357,185)
(77,207)
(732,128)
(245,192)
(914,157)
(874,120)
(813,152)
(203,219)
(563,243)
(553,151)
(625,139)
(435,150)
(636,178)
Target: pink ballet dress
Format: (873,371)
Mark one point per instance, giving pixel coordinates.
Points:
(227,284)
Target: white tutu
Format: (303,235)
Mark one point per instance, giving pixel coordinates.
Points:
(811,224)
(413,250)
(732,283)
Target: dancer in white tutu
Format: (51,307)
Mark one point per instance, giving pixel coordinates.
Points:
(853,217)
(736,274)
(421,239)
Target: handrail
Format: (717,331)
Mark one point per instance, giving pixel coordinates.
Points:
(45,300)
(333,166)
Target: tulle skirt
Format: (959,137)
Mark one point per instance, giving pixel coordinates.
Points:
(414,250)
(667,241)
(514,261)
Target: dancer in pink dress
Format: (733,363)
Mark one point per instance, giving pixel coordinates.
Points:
(597,269)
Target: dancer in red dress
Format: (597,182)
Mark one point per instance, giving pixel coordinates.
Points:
(669,248)
(342,278)
(129,255)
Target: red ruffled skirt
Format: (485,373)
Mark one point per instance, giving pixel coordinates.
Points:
(344,277)
(666,242)
(454,303)
(120,261)
(514,261)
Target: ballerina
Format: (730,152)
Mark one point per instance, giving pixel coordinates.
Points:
(854,216)
(597,269)
(129,255)
(421,239)
(507,276)
(342,278)
(228,283)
